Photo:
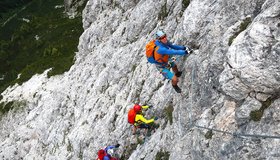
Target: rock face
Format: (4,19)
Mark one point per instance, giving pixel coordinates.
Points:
(71,7)
(230,83)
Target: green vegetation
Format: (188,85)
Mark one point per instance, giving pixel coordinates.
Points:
(81,155)
(185,4)
(168,112)
(161,155)
(257,114)
(163,12)
(160,84)
(134,67)
(46,38)
(5,107)
(130,148)
(209,134)
(9,7)
(242,27)
(69,146)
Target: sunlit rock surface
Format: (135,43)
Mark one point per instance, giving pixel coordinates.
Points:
(233,73)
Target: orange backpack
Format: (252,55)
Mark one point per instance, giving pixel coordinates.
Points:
(131,116)
(150,50)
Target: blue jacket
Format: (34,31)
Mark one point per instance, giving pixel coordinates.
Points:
(106,157)
(169,49)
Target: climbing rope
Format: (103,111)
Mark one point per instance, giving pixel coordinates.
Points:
(191,94)
(235,134)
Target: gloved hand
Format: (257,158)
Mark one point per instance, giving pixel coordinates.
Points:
(151,106)
(168,65)
(117,145)
(155,118)
(173,59)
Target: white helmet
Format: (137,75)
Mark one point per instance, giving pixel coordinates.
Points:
(110,151)
(160,34)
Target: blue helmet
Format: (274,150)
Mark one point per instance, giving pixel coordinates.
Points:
(160,34)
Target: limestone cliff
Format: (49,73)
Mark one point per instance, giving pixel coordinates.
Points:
(71,7)
(230,83)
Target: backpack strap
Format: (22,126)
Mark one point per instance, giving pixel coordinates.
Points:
(160,64)
(154,51)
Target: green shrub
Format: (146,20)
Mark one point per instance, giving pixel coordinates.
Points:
(209,134)
(161,155)
(185,4)
(242,27)
(168,112)
(134,67)
(4,108)
(128,149)
(256,115)
(49,40)
(69,147)
(163,12)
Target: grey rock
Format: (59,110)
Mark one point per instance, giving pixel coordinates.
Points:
(73,115)
(262,96)
(71,7)
(243,112)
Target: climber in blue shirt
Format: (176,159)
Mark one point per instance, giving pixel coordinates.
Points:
(164,49)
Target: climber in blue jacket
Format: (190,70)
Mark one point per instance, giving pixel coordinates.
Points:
(164,49)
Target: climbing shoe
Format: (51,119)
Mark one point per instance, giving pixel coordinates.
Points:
(177,89)
(189,50)
(178,74)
